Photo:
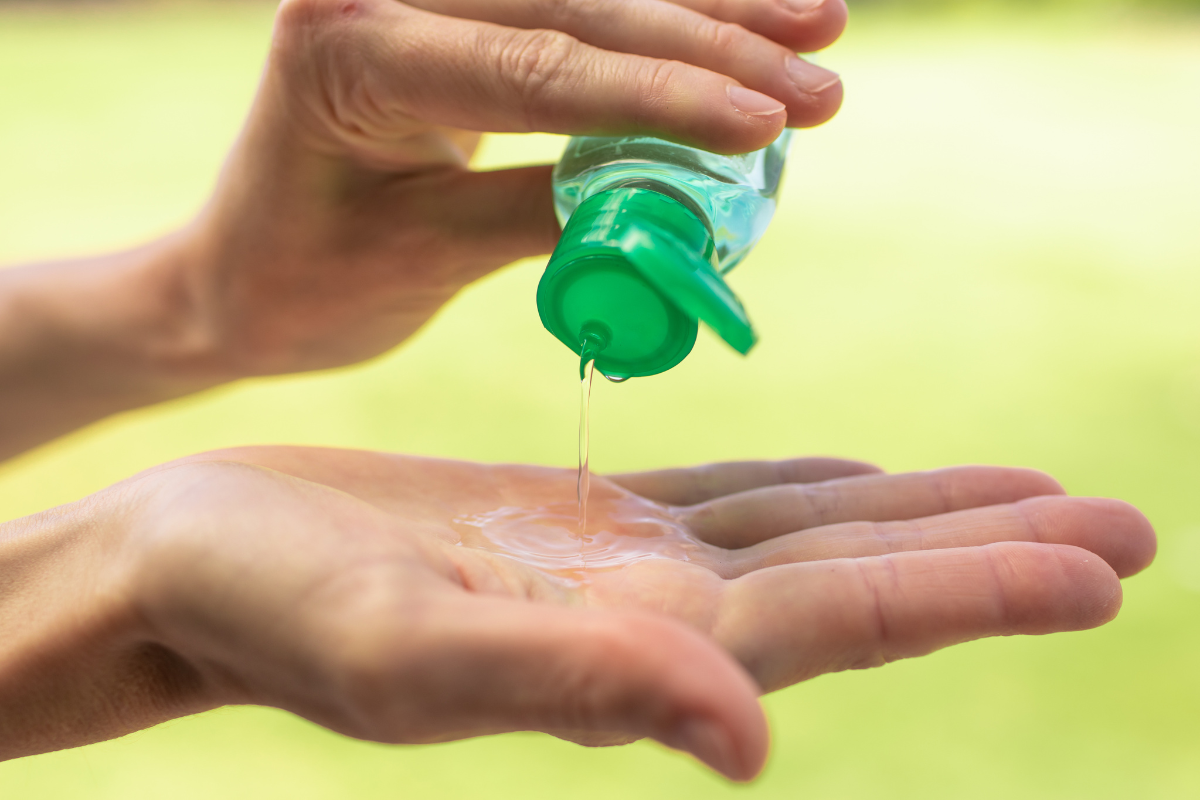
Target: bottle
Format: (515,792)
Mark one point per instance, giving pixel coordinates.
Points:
(649,229)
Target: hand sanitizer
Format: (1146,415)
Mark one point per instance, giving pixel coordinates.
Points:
(650,227)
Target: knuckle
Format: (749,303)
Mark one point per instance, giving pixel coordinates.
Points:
(1002,612)
(309,32)
(945,489)
(535,62)
(874,629)
(662,80)
(302,32)
(809,506)
(561,13)
(301,15)
(1041,483)
(330,63)
(724,38)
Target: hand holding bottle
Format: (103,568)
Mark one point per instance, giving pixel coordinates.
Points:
(405,599)
(352,171)
(346,216)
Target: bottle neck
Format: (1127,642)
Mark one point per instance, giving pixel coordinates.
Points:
(639,267)
(595,291)
(667,190)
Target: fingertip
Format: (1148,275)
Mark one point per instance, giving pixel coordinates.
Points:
(982,485)
(1049,588)
(738,757)
(1025,482)
(820,469)
(1095,587)
(1143,544)
(705,111)
(1131,536)
(755,749)
(823,24)
(717,718)
(751,744)
(849,468)
(1114,530)
(802,25)
(821,107)
(756,120)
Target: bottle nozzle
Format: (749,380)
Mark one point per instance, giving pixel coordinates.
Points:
(629,281)
(593,338)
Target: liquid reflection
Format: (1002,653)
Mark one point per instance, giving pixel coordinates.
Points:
(622,531)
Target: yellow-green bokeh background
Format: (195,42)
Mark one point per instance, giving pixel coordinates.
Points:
(992,255)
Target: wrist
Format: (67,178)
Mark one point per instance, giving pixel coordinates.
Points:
(132,313)
(84,339)
(77,664)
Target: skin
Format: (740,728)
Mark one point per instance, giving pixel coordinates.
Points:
(346,216)
(345,587)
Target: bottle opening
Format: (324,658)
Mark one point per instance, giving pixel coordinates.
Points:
(631,277)
(594,337)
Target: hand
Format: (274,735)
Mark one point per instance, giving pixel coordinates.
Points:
(346,216)
(404,599)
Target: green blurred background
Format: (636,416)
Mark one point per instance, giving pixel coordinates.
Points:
(990,256)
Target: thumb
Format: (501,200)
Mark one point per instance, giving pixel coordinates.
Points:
(593,677)
(482,220)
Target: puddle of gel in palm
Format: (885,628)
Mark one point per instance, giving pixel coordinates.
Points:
(625,530)
(561,543)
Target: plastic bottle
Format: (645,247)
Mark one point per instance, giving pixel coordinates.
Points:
(649,229)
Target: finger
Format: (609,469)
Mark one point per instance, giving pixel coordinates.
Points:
(659,29)
(388,67)
(691,485)
(491,665)
(483,220)
(746,518)
(802,25)
(508,214)
(1113,530)
(857,613)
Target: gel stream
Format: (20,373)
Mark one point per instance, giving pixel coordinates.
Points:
(561,543)
(583,479)
(634,273)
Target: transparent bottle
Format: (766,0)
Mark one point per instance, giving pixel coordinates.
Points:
(649,229)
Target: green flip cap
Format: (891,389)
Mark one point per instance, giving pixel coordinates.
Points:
(632,275)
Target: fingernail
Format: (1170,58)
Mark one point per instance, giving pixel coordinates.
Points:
(801,6)
(708,742)
(809,78)
(754,104)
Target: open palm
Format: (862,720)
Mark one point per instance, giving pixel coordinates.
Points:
(408,599)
